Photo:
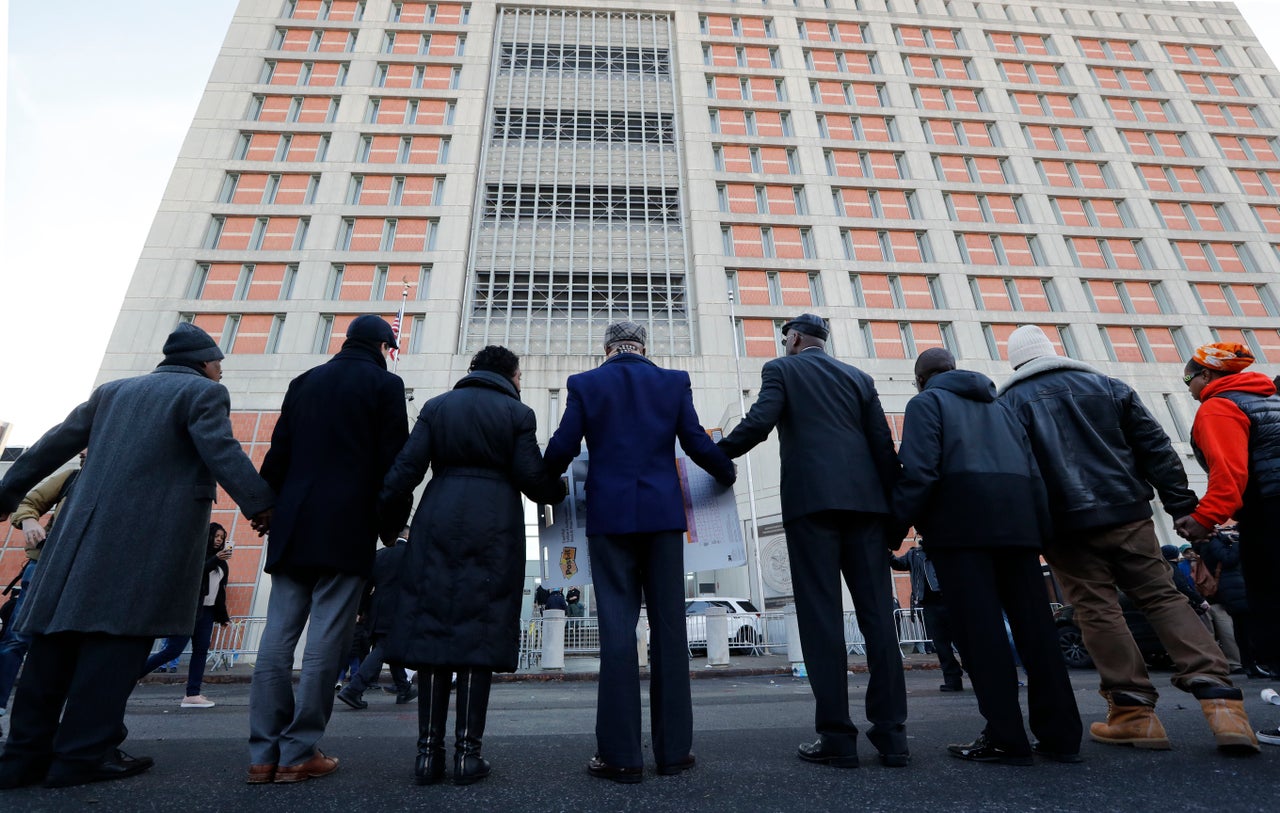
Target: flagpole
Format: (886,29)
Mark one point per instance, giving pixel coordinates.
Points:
(398,326)
(751,486)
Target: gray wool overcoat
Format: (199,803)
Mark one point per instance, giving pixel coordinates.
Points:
(127,553)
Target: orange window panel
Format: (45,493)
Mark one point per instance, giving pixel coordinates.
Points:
(1270,342)
(1137,80)
(375,190)
(979,249)
(1017,72)
(760,338)
(419,190)
(315,109)
(1242,115)
(866,246)
(1227,257)
(1091,47)
(1123,343)
(846,164)
(953,68)
(994,294)
(1056,173)
(293,189)
(1088,252)
(251,335)
(758,56)
(1045,74)
(953,168)
(1060,105)
(941,132)
(286,73)
(405,42)
(432,112)
(753,287)
(733,122)
(221,281)
(726,87)
(763,89)
(296,39)
(864,95)
(1017,250)
(437,77)
(1205,54)
(773,160)
(1261,148)
(966,207)
(781,199)
(399,76)
(966,100)
(769,124)
(342,9)
(1002,209)
(391,111)
(325,74)
(1031,294)
(1215,301)
(944,38)
(280,234)
(1228,334)
(1123,51)
(1188,179)
(893,203)
(976,133)
(883,165)
(1003,43)
(236,232)
(1169,143)
(795,288)
(786,242)
(1108,214)
(849,32)
(823,60)
(1154,177)
(931,98)
(753,27)
(307,10)
(443,44)
(1034,45)
(1231,148)
(719,25)
(989,171)
(915,289)
(1152,110)
(1163,349)
(249,188)
(858,62)
(411,12)
(887,338)
(724,55)
(1105,296)
(737,158)
(1250,301)
(425,150)
(830,93)
(856,202)
(1269,215)
(1249,181)
(367,234)
(1121,110)
(211,323)
(747,241)
(1192,256)
(1223,86)
(267,279)
(262,146)
(274,108)
(1142,297)
(1137,142)
(742,198)
(926,335)
(1075,140)
(1041,137)
(1207,216)
(1108,79)
(839,128)
(1124,253)
(875,291)
(911,36)
(905,247)
(333,40)
(1028,104)
(875,128)
(411,235)
(920,65)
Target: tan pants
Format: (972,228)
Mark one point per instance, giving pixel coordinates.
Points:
(1092,568)
(1224,629)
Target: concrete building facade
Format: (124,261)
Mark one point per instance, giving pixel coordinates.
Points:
(921,172)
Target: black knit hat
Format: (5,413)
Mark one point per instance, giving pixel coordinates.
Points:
(809,324)
(372,328)
(189,343)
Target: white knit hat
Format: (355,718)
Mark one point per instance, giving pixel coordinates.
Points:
(1026,343)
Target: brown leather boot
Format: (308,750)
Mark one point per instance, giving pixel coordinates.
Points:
(1223,707)
(1130,722)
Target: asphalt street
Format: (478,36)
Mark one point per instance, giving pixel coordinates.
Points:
(540,736)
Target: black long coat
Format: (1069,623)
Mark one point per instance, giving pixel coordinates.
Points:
(340,428)
(463,578)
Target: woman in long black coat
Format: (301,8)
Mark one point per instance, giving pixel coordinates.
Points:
(459,608)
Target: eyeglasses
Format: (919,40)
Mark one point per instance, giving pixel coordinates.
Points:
(1188,378)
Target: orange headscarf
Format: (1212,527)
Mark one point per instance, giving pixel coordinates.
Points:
(1225,356)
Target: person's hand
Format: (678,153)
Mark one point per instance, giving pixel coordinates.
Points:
(262,522)
(1204,606)
(1188,528)
(225,553)
(33,530)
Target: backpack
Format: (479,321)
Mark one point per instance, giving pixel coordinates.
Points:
(1206,581)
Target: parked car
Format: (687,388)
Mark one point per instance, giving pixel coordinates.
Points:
(746,627)
(1072,642)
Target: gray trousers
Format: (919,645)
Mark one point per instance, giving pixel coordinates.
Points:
(285,726)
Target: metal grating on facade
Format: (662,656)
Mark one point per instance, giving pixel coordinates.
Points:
(580,195)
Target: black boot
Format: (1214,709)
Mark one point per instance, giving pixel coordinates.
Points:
(473,706)
(432,711)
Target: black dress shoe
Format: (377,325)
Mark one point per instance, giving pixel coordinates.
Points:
(981,750)
(600,769)
(823,754)
(118,766)
(1260,673)
(679,766)
(1069,757)
(951,687)
(895,760)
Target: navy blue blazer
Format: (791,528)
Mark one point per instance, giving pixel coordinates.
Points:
(631,412)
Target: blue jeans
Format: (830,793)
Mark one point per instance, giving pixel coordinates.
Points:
(173,647)
(13,646)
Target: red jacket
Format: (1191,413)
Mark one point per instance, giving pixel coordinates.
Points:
(1221,432)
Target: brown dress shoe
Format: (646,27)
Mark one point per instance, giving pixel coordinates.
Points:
(260,774)
(319,765)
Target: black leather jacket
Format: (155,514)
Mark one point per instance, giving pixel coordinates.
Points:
(1100,451)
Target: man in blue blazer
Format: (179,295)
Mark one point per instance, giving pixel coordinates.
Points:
(631,413)
(838,471)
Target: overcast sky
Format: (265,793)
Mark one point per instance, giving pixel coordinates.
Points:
(99,98)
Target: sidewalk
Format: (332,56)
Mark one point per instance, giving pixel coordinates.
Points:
(583,668)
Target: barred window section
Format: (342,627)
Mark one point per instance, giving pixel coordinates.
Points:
(560,57)
(633,127)
(597,203)
(567,295)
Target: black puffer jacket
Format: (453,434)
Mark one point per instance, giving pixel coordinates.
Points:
(1223,548)
(969,478)
(1100,451)
(464,564)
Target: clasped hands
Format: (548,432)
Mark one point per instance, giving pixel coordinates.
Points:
(1191,530)
(262,522)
